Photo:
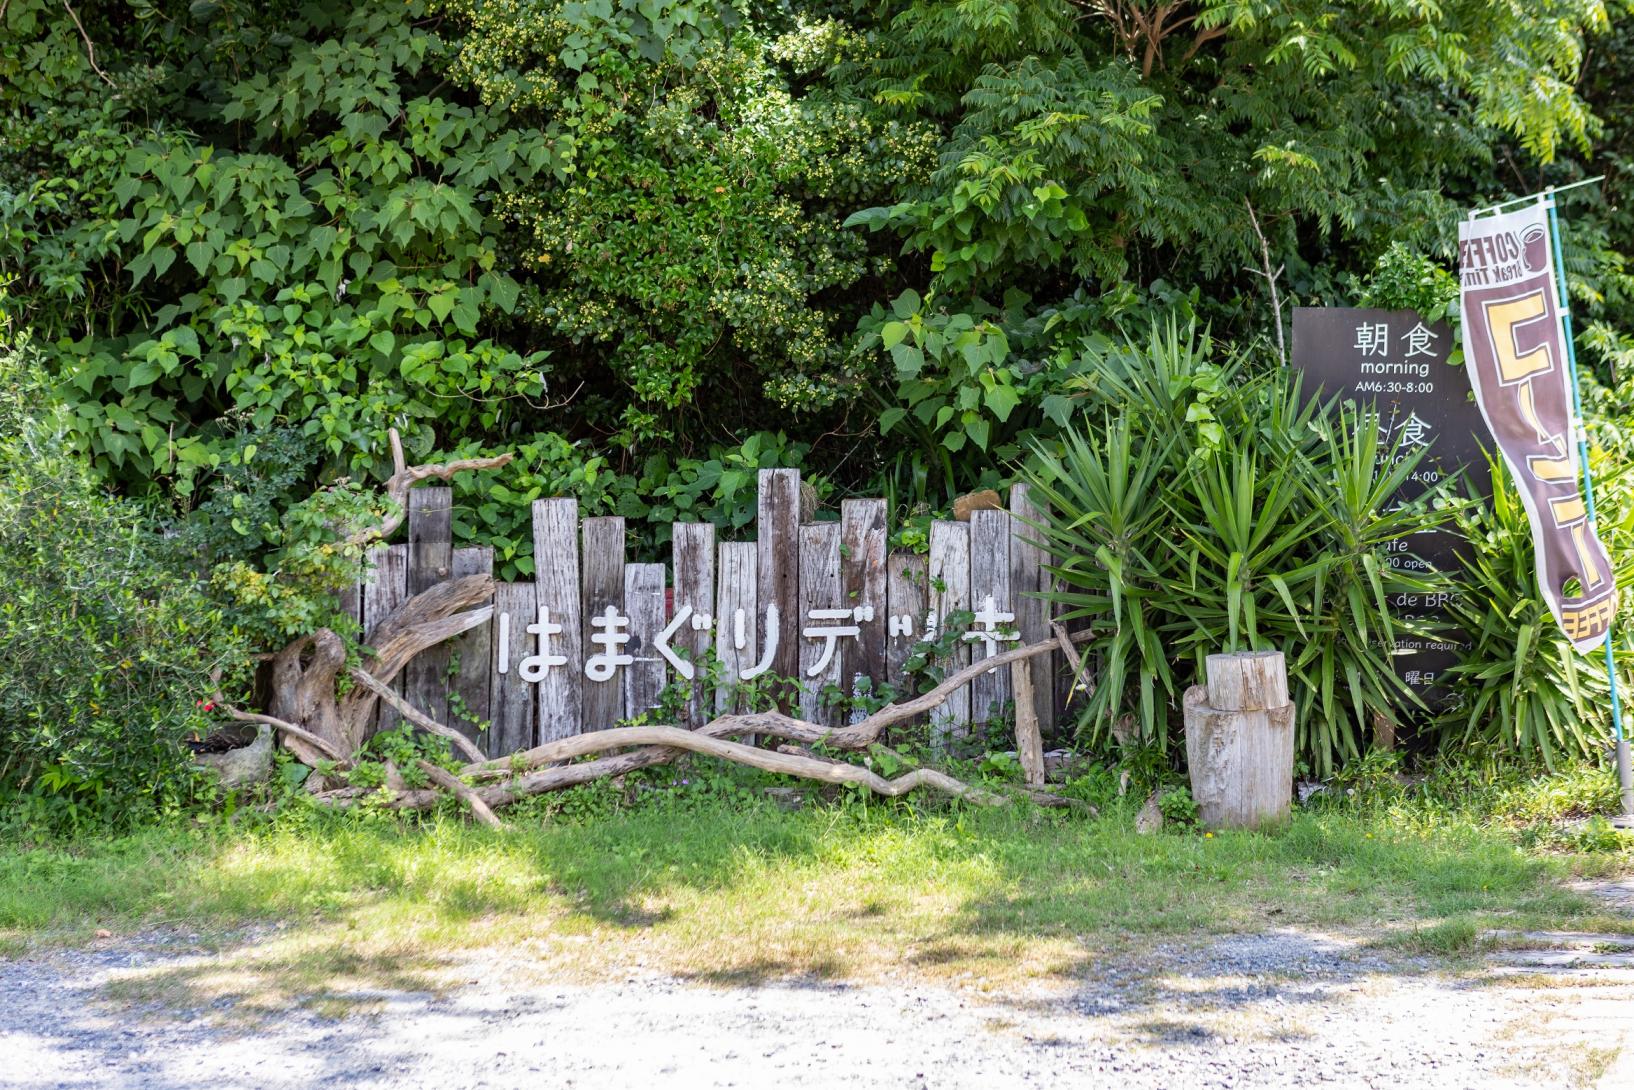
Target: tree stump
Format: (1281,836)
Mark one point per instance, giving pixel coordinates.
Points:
(1240,741)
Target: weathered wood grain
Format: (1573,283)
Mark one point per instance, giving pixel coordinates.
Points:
(737,626)
(949,572)
(472,654)
(644,679)
(990,596)
(907,603)
(511,701)
(1240,741)
(1029,743)
(430,561)
(777,565)
(862,579)
(1028,581)
(386,590)
(1247,680)
(604,543)
(556,574)
(820,589)
(693,550)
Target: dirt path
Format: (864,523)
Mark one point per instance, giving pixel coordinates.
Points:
(1283,1009)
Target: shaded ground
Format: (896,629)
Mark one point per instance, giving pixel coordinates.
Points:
(1287,1008)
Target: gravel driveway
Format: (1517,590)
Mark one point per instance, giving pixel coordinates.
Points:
(1282,1009)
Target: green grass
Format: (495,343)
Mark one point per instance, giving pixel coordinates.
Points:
(730,888)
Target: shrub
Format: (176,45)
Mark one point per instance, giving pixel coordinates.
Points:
(105,651)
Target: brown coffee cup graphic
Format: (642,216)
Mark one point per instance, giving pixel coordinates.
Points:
(1535,248)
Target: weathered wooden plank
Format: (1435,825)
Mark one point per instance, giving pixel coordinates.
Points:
(1028,580)
(863,579)
(693,548)
(430,560)
(645,676)
(822,601)
(907,604)
(990,597)
(511,701)
(736,624)
(949,570)
(777,565)
(385,592)
(472,654)
(603,589)
(558,632)
(1029,743)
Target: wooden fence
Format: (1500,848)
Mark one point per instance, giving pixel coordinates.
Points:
(594,640)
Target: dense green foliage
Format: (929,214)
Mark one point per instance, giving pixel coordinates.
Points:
(602,232)
(109,649)
(652,246)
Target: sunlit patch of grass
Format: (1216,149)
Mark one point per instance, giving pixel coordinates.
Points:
(728,893)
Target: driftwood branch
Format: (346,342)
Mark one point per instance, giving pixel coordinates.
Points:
(1064,641)
(290,729)
(415,715)
(405,477)
(506,780)
(452,784)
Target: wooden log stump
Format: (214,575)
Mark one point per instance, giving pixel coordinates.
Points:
(1240,741)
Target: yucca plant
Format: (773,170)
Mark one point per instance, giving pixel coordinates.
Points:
(1107,496)
(1344,667)
(1218,510)
(1522,687)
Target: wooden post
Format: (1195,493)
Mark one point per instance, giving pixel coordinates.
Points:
(862,578)
(644,679)
(736,623)
(511,699)
(820,590)
(556,575)
(990,586)
(1029,742)
(907,604)
(693,545)
(777,566)
(1028,580)
(1240,741)
(603,587)
(386,590)
(430,561)
(949,593)
(474,653)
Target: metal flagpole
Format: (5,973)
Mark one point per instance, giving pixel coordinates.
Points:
(1625,773)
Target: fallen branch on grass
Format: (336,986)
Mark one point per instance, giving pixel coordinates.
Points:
(506,780)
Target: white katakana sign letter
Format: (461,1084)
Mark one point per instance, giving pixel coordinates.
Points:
(832,634)
(988,619)
(769,635)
